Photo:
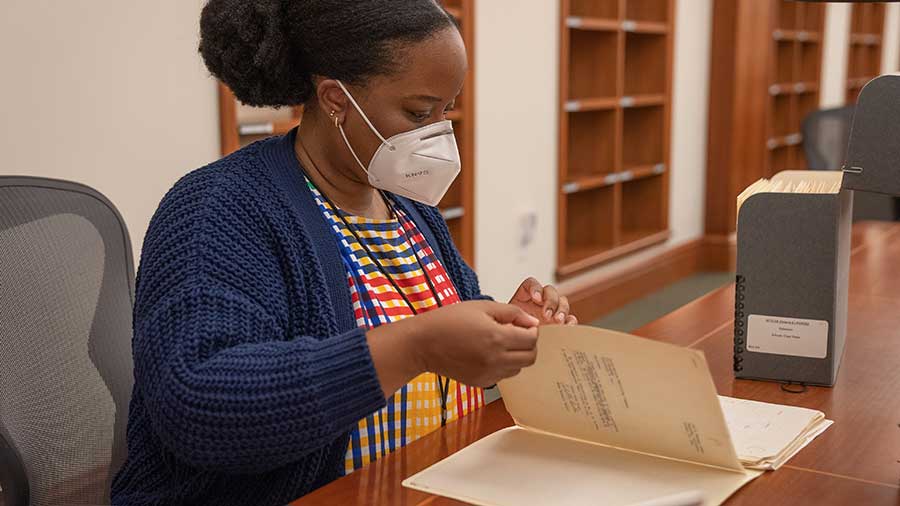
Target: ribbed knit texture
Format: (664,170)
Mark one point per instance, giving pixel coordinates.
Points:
(250,370)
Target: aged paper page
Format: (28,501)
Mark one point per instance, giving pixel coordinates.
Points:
(623,391)
(515,467)
(767,435)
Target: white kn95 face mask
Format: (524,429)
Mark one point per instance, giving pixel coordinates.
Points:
(419,164)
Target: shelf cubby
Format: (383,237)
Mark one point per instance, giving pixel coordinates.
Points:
(604,9)
(858,19)
(779,160)
(455,225)
(797,157)
(642,208)
(590,223)
(858,64)
(594,54)
(592,149)
(807,103)
(813,16)
(643,143)
(873,61)
(654,11)
(787,16)
(645,64)
(781,115)
(784,61)
(867,18)
(809,62)
(454,196)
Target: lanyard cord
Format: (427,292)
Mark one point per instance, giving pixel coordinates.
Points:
(443,384)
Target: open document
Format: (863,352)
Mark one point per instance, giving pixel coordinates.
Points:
(604,418)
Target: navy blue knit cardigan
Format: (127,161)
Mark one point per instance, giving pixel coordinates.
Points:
(249,370)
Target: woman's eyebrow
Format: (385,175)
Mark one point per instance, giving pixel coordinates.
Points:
(427,98)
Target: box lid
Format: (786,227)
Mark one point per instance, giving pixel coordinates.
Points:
(873,155)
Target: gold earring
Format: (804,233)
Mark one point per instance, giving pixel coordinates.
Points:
(332,113)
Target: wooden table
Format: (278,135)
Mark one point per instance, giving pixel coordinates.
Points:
(855,462)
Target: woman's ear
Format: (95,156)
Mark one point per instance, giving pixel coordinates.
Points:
(332,100)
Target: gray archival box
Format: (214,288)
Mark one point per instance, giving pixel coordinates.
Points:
(793,252)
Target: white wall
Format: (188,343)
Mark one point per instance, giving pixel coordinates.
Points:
(107,93)
(517,82)
(833,92)
(890,61)
(516,129)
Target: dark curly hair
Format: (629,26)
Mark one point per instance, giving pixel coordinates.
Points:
(267,51)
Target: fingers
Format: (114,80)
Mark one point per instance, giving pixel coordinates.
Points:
(521,359)
(562,310)
(571,320)
(529,290)
(518,339)
(508,373)
(507,313)
(551,303)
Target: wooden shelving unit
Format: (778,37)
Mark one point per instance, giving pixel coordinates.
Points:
(794,86)
(615,107)
(864,54)
(241,125)
(764,79)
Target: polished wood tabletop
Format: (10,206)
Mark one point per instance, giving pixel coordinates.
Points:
(855,462)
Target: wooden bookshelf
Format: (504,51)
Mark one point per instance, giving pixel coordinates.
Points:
(864,53)
(615,108)
(458,206)
(765,75)
(794,86)
(240,125)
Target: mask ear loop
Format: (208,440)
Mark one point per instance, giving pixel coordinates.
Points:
(364,117)
(347,142)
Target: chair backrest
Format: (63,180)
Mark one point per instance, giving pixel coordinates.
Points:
(66,373)
(826,133)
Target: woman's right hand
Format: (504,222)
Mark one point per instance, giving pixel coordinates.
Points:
(476,342)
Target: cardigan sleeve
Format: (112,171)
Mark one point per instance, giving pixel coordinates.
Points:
(253,406)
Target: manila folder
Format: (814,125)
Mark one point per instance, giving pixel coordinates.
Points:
(601,418)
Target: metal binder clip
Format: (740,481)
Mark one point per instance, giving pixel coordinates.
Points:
(852,170)
(787,387)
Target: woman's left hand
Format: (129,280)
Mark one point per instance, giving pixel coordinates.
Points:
(543,302)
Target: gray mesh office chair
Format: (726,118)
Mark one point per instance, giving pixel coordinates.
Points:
(826,133)
(66,292)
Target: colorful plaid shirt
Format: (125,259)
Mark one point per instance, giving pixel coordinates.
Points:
(415,409)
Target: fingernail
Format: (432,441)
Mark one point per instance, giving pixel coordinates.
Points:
(560,317)
(536,296)
(548,314)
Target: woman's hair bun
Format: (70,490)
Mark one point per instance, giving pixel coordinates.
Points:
(244,43)
(268,51)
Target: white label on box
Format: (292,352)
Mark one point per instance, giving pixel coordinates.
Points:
(787,336)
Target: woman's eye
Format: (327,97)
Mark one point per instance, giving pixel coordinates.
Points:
(419,117)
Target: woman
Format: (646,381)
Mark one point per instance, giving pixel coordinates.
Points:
(299,310)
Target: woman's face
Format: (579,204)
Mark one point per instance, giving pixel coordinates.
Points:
(423,91)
